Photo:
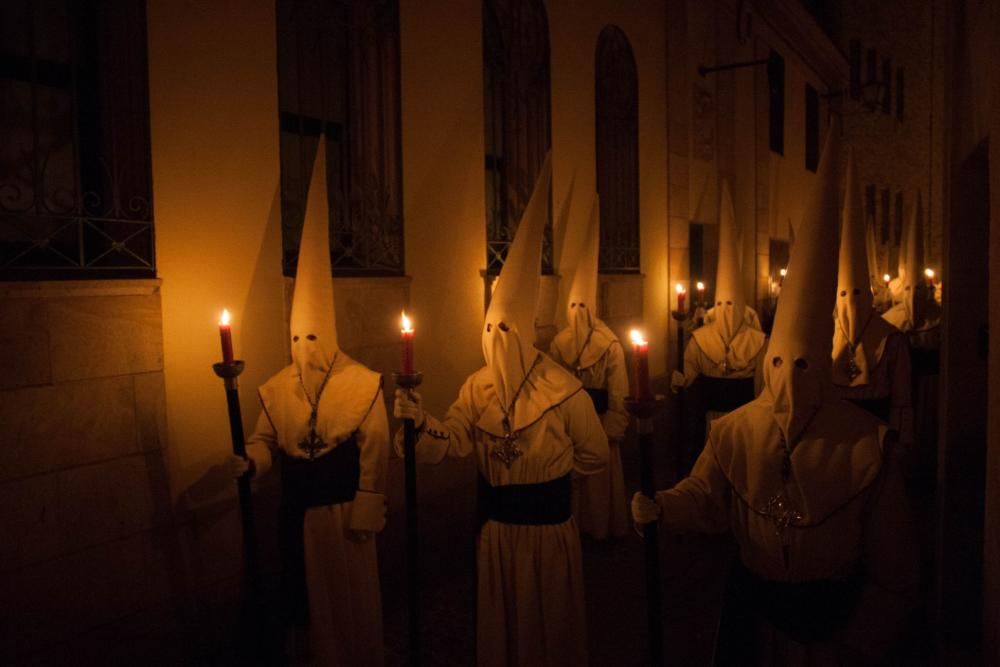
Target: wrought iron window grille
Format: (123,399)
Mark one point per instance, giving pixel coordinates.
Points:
(339,80)
(517,120)
(75,181)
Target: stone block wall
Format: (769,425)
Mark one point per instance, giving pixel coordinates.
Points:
(83,487)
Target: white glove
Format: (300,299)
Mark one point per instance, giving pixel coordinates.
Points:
(676,382)
(644,509)
(409,405)
(236,466)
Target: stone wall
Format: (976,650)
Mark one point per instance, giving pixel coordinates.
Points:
(83,486)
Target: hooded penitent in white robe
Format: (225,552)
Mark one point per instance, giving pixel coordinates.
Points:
(342,597)
(593,353)
(526,421)
(806,484)
(871,358)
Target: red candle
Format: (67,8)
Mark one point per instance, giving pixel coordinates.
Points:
(640,357)
(226,334)
(887,278)
(701,293)
(407,333)
(929,273)
(681,294)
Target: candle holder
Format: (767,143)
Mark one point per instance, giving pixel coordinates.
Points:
(230,375)
(409,382)
(642,411)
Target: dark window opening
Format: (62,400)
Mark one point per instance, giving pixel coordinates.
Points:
(776,94)
(616,100)
(338,79)
(887,86)
(517,110)
(855,63)
(899,93)
(75,180)
(812,128)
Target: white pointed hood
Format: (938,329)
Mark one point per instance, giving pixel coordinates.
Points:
(313,327)
(910,296)
(730,299)
(797,366)
(853,311)
(586,338)
(509,329)
(731,337)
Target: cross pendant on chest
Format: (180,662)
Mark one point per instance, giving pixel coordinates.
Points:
(507,450)
(852,367)
(312,443)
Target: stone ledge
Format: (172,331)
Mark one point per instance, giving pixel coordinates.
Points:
(47,289)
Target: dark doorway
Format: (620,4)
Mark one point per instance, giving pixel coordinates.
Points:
(962,440)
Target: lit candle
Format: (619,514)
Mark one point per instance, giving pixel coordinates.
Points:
(226,334)
(930,277)
(681,294)
(640,357)
(886,278)
(781,276)
(407,333)
(701,292)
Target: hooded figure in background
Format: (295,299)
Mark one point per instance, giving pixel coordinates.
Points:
(914,309)
(530,427)
(593,353)
(724,356)
(917,314)
(871,358)
(324,418)
(806,485)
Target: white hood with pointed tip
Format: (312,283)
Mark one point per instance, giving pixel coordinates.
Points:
(313,326)
(510,354)
(797,366)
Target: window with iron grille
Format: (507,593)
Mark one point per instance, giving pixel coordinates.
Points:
(518,119)
(338,79)
(75,184)
(616,116)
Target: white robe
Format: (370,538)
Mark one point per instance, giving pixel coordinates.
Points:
(530,589)
(852,506)
(889,377)
(599,502)
(345,604)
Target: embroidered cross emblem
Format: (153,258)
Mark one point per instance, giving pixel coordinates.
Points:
(781,513)
(507,450)
(312,443)
(852,368)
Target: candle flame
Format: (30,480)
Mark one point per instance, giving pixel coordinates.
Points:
(886,277)
(929,273)
(407,325)
(783,272)
(700,286)
(679,288)
(637,337)
(224,320)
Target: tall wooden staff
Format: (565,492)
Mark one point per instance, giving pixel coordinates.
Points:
(229,370)
(641,406)
(409,380)
(680,460)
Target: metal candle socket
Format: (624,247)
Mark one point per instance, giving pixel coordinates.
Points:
(409,382)
(643,411)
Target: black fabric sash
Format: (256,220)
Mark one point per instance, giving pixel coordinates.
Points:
(541,504)
(879,407)
(808,612)
(924,361)
(330,479)
(599,397)
(726,394)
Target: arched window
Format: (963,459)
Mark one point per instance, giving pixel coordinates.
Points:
(338,77)
(518,119)
(616,100)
